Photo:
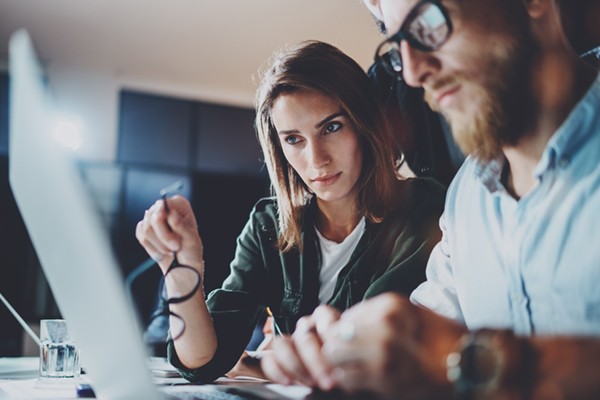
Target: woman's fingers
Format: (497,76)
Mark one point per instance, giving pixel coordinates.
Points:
(299,358)
(284,364)
(163,232)
(307,339)
(146,236)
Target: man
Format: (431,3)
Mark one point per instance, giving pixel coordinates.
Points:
(511,307)
(422,135)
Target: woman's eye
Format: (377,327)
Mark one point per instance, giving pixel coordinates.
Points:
(333,127)
(292,140)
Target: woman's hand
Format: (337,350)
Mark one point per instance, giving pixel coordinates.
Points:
(248,365)
(298,359)
(161,234)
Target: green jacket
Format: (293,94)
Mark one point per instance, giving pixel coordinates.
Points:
(390,256)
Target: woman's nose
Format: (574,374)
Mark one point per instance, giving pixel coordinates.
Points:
(319,154)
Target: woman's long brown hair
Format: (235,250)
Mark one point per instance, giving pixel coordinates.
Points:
(323,68)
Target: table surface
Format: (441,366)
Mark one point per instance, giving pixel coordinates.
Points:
(19,379)
(19,367)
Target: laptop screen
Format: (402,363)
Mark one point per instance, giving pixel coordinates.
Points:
(75,252)
(70,238)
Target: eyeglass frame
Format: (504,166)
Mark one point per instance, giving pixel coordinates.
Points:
(401,35)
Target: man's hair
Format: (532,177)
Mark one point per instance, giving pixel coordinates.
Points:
(319,67)
(380,26)
(373,10)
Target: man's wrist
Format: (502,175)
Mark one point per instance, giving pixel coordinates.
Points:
(491,364)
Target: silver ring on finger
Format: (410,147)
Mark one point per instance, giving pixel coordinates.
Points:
(347,332)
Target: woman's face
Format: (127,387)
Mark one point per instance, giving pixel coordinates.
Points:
(320,143)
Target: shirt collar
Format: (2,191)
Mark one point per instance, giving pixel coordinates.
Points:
(573,133)
(490,173)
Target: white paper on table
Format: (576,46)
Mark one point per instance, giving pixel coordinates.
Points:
(19,367)
(290,392)
(37,389)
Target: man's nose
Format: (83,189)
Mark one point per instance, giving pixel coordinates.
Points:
(417,65)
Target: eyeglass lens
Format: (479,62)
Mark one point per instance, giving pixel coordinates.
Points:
(186,281)
(176,326)
(427,28)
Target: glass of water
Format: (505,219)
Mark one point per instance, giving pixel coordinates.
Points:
(59,357)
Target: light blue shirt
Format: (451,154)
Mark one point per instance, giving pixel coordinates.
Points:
(531,265)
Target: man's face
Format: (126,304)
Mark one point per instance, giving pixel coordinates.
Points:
(480,78)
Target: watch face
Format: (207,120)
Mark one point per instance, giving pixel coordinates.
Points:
(477,366)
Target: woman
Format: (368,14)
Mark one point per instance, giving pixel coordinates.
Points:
(341,227)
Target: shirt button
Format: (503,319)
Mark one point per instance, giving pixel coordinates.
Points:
(517,298)
(563,162)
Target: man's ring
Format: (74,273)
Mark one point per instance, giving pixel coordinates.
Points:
(347,331)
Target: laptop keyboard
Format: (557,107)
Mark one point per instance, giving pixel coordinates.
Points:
(215,395)
(209,395)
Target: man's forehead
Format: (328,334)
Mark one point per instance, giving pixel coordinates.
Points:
(394,13)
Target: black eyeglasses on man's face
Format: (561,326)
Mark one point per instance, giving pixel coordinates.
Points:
(426,28)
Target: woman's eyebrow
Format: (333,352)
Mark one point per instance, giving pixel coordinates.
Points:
(318,125)
(288,132)
(329,118)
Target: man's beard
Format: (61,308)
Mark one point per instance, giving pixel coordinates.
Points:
(506,109)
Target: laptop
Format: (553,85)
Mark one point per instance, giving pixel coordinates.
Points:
(74,248)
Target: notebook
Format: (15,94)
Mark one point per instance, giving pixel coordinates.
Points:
(74,248)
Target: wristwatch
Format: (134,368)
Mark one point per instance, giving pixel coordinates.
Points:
(478,365)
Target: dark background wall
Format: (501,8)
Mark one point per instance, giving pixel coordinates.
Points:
(211,148)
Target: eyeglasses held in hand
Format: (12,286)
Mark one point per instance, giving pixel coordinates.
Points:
(426,28)
(186,281)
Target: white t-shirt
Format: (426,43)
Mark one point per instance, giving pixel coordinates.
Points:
(334,257)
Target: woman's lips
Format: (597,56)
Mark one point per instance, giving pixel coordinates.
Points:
(326,180)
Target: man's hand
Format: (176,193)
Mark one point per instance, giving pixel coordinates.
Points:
(391,347)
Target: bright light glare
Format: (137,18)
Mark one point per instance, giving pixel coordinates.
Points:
(68,132)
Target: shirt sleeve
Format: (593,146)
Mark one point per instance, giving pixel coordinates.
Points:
(438,292)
